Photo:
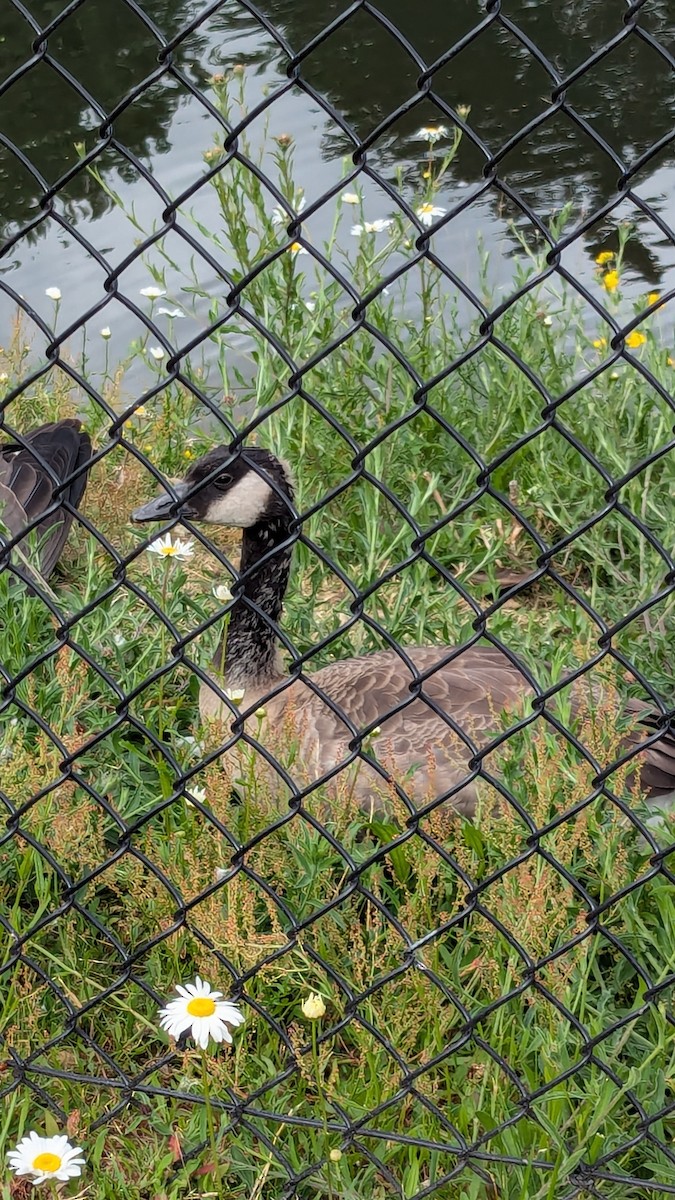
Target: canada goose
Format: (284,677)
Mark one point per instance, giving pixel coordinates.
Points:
(422,749)
(31,476)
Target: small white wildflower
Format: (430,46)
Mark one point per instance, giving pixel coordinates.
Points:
(45,1158)
(157,352)
(235,695)
(378,226)
(222,592)
(202,1012)
(547,321)
(168,548)
(313,1007)
(53,293)
(432,133)
(297,248)
(153,293)
(4,377)
(310,305)
(198,794)
(105,333)
(350,198)
(119,639)
(170,312)
(281,217)
(428,212)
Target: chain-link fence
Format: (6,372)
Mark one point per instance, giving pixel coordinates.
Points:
(452,845)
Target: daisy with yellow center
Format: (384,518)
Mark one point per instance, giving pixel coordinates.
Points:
(44,1158)
(428,212)
(201,1012)
(604,257)
(432,133)
(611,281)
(635,339)
(379,226)
(167,547)
(296,248)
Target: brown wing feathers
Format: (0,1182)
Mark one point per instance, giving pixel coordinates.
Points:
(32,475)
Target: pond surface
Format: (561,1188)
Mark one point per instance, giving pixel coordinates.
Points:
(353,80)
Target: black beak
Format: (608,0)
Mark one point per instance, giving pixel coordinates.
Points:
(163,506)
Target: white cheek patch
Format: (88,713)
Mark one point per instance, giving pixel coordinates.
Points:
(243,505)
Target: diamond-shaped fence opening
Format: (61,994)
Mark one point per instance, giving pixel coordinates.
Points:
(411,272)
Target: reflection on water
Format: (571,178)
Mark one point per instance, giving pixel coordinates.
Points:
(362,73)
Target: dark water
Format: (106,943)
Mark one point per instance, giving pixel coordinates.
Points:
(362,73)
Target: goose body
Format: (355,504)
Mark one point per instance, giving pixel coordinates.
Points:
(425,712)
(31,479)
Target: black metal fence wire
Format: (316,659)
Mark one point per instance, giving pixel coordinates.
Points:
(588,1179)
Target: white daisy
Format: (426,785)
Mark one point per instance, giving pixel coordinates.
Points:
(170,312)
(222,592)
(350,198)
(153,293)
(235,695)
(46,1158)
(196,793)
(297,248)
(372,227)
(105,333)
(168,548)
(201,1011)
(428,212)
(281,217)
(313,1007)
(432,133)
(157,352)
(53,293)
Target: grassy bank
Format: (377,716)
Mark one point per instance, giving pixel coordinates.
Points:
(469,1002)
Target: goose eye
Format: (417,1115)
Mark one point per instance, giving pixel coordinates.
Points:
(222,483)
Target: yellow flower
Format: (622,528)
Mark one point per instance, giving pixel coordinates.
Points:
(188,453)
(611,281)
(670,361)
(653,297)
(603,257)
(635,339)
(426,174)
(297,248)
(600,343)
(313,1007)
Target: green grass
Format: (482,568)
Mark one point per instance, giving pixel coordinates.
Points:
(76,885)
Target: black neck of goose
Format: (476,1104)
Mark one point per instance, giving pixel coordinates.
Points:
(251,646)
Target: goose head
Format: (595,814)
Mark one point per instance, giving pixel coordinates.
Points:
(244,488)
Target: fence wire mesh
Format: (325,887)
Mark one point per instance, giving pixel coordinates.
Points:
(437,1126)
